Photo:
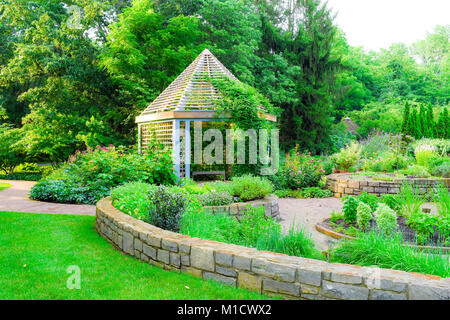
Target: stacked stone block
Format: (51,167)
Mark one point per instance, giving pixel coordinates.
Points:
(342,185)
(261,271)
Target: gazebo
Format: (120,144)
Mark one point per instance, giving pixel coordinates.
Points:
(190,97)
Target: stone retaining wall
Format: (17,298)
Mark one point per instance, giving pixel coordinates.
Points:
(264,272)
(270,203)
(342,185)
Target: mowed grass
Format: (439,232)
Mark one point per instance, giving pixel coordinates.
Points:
(4,185)
(37,249)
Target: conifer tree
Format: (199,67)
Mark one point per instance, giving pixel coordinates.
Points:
(405,124)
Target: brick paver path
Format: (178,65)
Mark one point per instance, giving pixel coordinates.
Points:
(16,199)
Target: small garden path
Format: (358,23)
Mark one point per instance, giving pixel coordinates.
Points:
(306,213)
(16,199)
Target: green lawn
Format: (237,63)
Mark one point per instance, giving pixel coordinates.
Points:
(37,249)
(4,185)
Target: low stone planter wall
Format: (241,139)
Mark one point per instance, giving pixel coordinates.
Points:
(342,185)
(270,203)
(265,272)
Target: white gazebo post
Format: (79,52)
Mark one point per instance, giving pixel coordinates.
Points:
(187,149)
(176,146)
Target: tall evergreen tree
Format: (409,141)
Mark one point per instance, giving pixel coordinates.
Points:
(405,124)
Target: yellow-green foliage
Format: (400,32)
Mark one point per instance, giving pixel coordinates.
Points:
(363,216)
(386,219)
(349,156)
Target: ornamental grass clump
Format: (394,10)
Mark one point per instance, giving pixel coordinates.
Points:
(363,216)
(386,219)
(377,249)
(409,200)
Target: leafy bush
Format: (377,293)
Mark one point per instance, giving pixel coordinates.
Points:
(442,170)
(442,146)
(28,176)
(424,153)
(94,173)
(299,171)
(166,208)
(315,192)
(66,192)
(423,224)
(248,187)
(363,216)
(10,150)
(132,199)
(391,201)
(386,219)
(348,157)
(386,162)
(216,199)
(369,199)
(416,171)
(350,207)
(283,193)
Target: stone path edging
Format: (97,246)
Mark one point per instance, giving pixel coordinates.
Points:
(337,235)
(261,271)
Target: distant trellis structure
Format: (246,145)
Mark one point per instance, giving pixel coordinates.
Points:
(190,97)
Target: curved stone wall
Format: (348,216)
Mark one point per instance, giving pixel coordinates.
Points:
(270,203)
(261,271)
(343,185)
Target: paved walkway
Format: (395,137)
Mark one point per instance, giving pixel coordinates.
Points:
(16,199)
(305,213)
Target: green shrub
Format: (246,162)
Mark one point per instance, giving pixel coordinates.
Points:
(369,199)
(375,249)
(66,192)
(391,201)
(363,216)
(348,157)
(249,187)
(132,199)
(442,170)
(349,208)
(284,193)
(423,224)
(416,171)
(424,153)
(96,172)
(216,198)
(386,219)
(314,192)
(299,171)
(166,208)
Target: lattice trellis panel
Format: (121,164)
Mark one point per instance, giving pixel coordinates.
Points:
(161,131)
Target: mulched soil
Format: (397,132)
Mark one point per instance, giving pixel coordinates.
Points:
(408,234)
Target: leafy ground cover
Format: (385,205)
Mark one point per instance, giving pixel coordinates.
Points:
(37,250)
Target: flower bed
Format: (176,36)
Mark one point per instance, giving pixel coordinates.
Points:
(266,272)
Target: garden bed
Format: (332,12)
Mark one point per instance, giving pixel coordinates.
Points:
(266,272)
(340,230)
(354,184)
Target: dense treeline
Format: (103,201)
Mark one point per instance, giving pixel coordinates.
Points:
(76,73)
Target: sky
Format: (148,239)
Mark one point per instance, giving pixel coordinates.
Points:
(376,24)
